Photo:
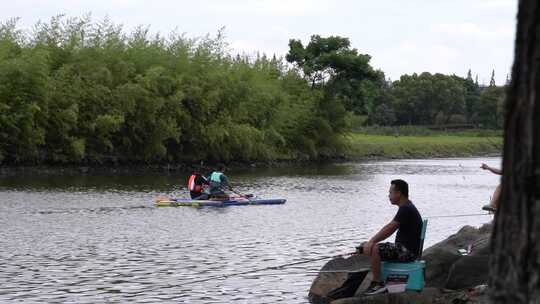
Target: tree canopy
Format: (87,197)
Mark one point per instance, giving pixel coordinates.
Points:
(331,64)
(78,91)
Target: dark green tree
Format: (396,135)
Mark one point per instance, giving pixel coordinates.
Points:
(469,75)
(427,99)
(489,109)
(332,65)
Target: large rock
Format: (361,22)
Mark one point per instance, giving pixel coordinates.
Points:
(441,256)
(468,271)
(334,274)
(429,295)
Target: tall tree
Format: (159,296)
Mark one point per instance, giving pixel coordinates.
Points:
(315,59)
(488,110)
(515,271)
(492,80)
(469,75)
(472,98)
(420,99)
(331,64)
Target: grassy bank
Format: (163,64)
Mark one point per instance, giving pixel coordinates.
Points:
(374,143)
(363,146)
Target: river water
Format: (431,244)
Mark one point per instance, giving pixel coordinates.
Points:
(99,239)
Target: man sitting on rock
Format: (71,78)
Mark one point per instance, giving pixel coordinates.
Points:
(408,224)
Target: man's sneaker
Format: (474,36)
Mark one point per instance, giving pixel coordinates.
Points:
(489,208)
(375,288)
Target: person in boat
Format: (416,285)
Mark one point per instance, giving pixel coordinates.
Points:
(494,202)
(408,224)
(196,185)
(218,183)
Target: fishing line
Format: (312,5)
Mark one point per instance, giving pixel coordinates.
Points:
(224,276)
(456,215)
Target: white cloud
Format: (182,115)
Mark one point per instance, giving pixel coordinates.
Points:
(410,57)
(414,36)
(472,29)
(494,4)
(282,31)
(280,8)
(244,47)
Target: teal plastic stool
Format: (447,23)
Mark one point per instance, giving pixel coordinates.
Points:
(415,271)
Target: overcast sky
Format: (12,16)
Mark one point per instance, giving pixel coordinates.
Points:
(402,37)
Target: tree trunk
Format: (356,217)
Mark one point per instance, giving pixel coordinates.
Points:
(515,246)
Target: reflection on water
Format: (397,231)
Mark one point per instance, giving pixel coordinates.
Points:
(88,239)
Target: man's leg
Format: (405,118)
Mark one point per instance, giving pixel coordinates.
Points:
(495,198)
(375,259)
(376,286)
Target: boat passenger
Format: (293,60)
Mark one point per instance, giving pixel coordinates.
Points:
(219,182)
(196,185)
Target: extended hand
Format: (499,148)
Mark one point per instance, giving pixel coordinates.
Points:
(484,166)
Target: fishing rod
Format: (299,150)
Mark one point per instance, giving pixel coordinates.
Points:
(225,276)
(456,215)
(313,272)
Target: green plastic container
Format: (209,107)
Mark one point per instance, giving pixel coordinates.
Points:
(415,270)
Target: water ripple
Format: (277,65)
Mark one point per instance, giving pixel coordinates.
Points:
(99,239)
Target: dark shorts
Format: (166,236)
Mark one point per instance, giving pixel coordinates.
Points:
(395,252)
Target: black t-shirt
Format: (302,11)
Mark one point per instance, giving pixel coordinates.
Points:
(410,227)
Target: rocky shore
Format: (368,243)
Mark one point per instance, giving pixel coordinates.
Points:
(457,271)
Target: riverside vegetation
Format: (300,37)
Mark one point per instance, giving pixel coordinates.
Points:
(75,91)
(410,142)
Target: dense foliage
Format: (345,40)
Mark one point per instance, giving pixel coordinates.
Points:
(77,91)
(436,99)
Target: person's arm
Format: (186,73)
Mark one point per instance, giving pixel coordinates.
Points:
(383,234)
(225,182)
(493,170)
